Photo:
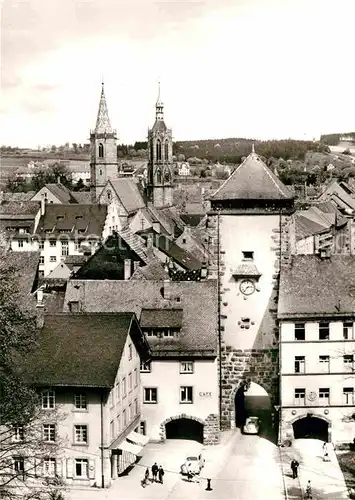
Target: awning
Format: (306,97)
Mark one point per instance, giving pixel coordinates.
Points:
(131,448)
(138,438)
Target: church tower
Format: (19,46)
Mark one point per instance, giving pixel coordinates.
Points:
(104,160)
(160,160)
(249,221)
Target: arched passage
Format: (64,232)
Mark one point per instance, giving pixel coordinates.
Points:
(253,400)
(311,427)
(184,428)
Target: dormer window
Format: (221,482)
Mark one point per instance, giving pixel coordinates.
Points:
(247,255)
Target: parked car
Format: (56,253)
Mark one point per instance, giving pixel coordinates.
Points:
(251,426)
(193,463)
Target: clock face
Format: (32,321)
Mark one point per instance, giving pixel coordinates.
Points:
(247,287)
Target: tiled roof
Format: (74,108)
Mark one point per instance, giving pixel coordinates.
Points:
(161,318)
(253,180)
(79,350)
(316,287)
(192,219)
(61,192)
(82,197)
(305,227)
(183,258)
(154,270)
(73,217)
(26,266)
(159,126)
(15,207)
(128,192)
(169,220)
(336,192)
(18,197)
(198,335)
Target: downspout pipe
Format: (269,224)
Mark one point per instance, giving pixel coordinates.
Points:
(102,442)
(219,320)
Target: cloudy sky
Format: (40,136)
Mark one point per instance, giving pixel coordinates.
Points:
(228,68)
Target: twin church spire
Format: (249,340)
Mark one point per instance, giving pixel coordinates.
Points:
(104,159)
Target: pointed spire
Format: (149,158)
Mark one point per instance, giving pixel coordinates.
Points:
(159,106)
(103,125)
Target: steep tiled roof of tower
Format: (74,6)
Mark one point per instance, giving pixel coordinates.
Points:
(253,180)
(159,126)
(103,122)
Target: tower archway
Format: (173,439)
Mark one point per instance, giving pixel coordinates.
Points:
(311,427)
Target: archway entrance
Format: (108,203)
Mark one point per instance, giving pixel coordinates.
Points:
(311,427)
(184,428)
(255,402)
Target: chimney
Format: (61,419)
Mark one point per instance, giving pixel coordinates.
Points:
(39,308)
(167,290)
(43,204)
(127,269)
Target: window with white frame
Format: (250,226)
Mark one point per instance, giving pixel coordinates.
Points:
(300,331)
(130,412)
(186,394)
(300,396)
(19,464)
(81,467)
(150,395)
(186,367)
(118,423)
(49,433)
(324,364)
(247,255)
(20,243)
(130,351)
(52,243)
(348,395)
(52,258)
(130,384)
(18,433)
(65,248)
(135,407)
(324,396)
(80,402)
(118,391)
(112,429)
(48,400)
(136,377)
(49,467)
(146,366)
(143,427)
(324,330)
(348,362)
(41,259)
(348,330)
(81,434)
(300,362)
(124,418)
(41,245)
(124,387)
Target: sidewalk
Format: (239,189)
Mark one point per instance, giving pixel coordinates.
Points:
(326,478)
(129,486)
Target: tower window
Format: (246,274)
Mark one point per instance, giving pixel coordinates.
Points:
(166,150)
(101,150)
(100,171)
(158,150)
(158,176)
(248,255)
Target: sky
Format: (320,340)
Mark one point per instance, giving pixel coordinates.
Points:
(263,69)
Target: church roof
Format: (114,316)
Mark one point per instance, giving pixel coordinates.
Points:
(159,126)
(252,180)
(103,125)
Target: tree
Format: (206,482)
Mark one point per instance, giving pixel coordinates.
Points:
(20,414)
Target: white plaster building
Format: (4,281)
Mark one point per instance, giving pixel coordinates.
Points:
(317,348)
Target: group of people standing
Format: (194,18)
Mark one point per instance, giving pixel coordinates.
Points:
(157,475)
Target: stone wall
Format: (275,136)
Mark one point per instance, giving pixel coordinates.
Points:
(260,362)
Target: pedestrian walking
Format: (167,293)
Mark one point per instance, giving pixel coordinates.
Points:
(161,474)
(155,469)
(325,453)
(294,468)
(146,475)
(309,490)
